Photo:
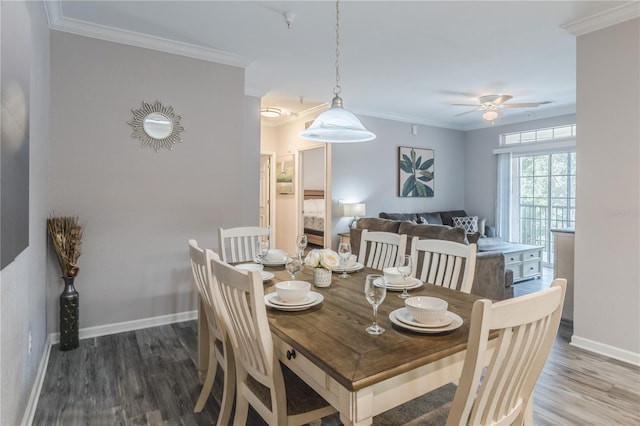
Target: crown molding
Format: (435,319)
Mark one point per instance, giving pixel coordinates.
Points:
(603,19)
(58,22)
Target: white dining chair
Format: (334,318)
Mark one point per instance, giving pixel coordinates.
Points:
(379,250)
(444,263)
(241,244)
(278,395)
(527,327)
(219,347)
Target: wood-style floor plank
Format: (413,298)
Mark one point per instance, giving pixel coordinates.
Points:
(149,377)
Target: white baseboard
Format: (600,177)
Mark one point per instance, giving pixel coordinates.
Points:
(606,350)
(121,327)
(84,333)
(32,403)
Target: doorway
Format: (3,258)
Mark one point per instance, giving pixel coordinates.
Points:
(314,206)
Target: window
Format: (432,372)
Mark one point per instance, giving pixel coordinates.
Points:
(536,185)
(543,198)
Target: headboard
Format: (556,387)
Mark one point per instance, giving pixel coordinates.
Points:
(313,194)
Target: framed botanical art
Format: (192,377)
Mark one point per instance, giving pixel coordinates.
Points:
(284,174)
(415,172)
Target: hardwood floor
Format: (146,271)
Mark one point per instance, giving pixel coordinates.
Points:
(148,377)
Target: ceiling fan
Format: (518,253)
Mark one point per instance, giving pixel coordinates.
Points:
(492,104)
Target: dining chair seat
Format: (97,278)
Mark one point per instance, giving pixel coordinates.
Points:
(241,244)
(219,347)
(444,263)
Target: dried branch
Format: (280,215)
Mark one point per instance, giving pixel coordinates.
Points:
(66,235)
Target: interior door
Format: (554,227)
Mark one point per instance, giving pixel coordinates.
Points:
(265,190)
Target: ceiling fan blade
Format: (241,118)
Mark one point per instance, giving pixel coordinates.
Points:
(526,105)
(501,99)
(473,105)
(467,112)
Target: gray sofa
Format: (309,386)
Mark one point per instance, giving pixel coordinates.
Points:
(491,279)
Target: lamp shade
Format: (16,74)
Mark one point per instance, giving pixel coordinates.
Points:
(355,209)
(337,125)
(491,114)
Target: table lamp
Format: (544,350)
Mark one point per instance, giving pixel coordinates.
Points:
(356,210)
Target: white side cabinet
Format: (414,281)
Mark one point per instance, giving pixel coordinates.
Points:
(524,260)
(563,247)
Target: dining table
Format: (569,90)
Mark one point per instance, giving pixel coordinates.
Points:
(359,374)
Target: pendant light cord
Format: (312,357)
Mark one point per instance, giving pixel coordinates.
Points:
(337,90)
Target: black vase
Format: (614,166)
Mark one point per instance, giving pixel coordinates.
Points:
(69,315)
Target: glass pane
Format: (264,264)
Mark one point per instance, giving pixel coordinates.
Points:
(512,138)
(562,132)
(559,164)
(528,136)
(541,165)
(559,186)
(526,166)
(541,186)
(544,134)
(526,187)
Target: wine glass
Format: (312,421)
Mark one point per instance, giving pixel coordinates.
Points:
(375,294)
(293,265)
(344,251)
(262,249)
(404,268)
(302,243)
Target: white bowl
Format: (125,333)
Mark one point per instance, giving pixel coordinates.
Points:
(292,291)
(250,267)
(392,276)
(275,255)
(426,310)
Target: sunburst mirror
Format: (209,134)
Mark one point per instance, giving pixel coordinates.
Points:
(156,126)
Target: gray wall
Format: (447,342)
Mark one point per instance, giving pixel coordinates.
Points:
(141,207)
(22,283)
(607,276)
(480,163)
(368,171)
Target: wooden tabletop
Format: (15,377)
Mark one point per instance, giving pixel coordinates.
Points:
(332,334)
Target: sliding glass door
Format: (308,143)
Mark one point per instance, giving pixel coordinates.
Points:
(542,198)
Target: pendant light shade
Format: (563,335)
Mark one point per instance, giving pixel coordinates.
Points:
(337,125)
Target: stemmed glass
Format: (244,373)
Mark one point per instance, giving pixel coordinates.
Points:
(262,250)
(293,265)
(302,243)
(344,251)
(375,294)
(404,268)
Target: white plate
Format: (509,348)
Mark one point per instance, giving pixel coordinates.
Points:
(413,283)
(267,275)
(404,316)
(250,266)
(317,299)
(268,263)
(455,324)
(352,268)
(276,300)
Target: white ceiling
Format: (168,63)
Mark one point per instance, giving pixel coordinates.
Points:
(402,60)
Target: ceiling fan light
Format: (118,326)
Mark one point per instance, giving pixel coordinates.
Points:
(491,115)
(337,125)
(270,112)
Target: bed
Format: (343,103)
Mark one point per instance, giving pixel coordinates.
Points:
(313,214)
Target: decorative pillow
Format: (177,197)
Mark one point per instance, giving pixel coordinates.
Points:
(468,223)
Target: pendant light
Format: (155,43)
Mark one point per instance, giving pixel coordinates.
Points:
(337,125)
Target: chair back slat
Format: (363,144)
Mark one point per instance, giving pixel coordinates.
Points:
(444,263)
(241,244)
(241,295)
(379,250)
(527,327)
